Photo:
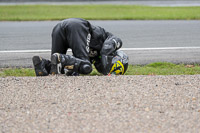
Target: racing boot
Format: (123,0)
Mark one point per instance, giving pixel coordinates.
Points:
(42,66)
(56,66)
(69,65)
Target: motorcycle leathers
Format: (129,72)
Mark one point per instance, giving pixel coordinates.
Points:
(88,42)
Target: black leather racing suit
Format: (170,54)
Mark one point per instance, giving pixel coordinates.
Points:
(88,42)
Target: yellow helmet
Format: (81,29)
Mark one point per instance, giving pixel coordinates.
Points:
(119,63)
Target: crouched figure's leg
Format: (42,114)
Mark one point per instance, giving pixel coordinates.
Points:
(42,66)
(61,63)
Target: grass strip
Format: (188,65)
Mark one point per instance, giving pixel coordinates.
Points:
(163,68)
(96,12)
(17,72)
(158,68)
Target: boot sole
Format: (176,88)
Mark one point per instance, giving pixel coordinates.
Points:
(55,65)
(36,62)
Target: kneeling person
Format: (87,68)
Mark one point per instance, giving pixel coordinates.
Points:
(90,45)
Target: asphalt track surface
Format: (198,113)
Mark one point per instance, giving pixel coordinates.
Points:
(144,41)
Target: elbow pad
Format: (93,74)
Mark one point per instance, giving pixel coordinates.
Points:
(117,43)
(110,45)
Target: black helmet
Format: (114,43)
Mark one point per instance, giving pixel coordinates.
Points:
(119,63)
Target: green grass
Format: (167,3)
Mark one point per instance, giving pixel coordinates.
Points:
(18,72)
(163,68)
(158,68)
(96,12)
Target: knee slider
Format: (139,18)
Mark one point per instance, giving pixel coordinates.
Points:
(85,68)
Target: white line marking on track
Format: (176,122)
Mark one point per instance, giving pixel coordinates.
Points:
(159,48)
(125,49)
(24,51)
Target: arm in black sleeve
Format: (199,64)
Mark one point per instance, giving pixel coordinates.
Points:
(110,46)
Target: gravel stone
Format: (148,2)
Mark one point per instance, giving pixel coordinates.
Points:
(100,104)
